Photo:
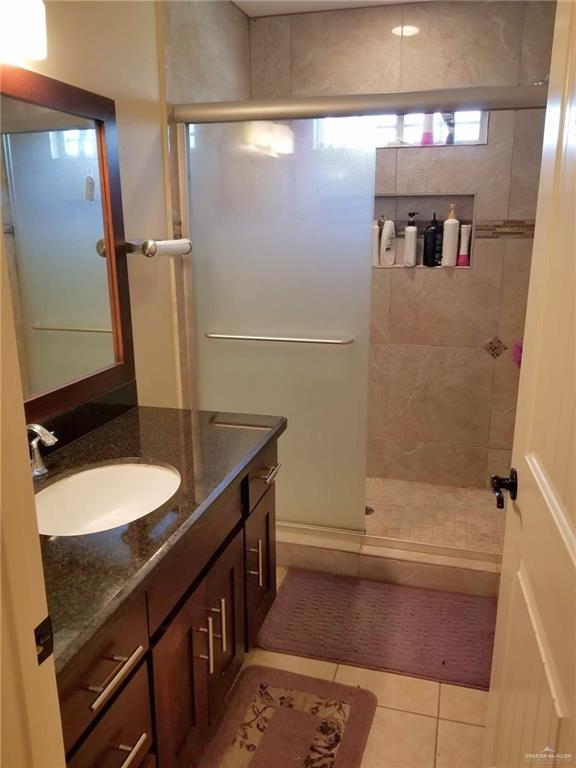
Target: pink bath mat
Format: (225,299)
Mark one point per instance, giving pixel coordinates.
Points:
(442,636)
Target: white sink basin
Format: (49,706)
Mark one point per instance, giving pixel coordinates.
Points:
(103,498)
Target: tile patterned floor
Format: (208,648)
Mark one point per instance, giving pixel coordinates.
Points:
(418,723)
(461,518)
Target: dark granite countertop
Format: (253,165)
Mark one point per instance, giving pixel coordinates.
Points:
(89,576)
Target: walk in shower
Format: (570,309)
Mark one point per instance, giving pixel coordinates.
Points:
(399,383)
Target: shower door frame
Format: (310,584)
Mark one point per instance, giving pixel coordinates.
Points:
(181,115)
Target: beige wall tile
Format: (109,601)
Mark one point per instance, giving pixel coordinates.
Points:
(428,462)
(499,462)
(528,139)
(302,666)
(537,41)
(515,282)
(396,691)
(504,399)
(207,46)
(483,169)
(386,171)
(459,746)
(380,305)
(461,44)
(449,579)
(448,307)
(348,51)
(465,705)
(400,740)
(317,559)
(376,463)
(377,389)
(270,57)
(437,394)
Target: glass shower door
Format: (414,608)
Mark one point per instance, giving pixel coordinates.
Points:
(280,221)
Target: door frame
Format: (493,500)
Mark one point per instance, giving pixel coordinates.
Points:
(30,712)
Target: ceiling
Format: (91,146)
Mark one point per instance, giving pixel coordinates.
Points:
(282,7)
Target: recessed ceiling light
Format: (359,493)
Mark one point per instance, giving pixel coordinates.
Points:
(405,31)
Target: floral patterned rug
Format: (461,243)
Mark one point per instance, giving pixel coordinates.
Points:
(277,719)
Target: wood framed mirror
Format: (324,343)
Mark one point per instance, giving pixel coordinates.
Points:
(64,242)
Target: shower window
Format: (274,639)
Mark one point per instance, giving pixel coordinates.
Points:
(412,130)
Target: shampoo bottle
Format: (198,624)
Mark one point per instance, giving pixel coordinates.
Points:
(464,250)
(388,243)
(430,238)
(450,240)
(410,241)
(375,244)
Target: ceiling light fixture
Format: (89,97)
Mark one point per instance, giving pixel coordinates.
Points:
(405,31)
(22,31)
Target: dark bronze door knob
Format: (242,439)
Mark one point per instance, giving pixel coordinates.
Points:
(499,484)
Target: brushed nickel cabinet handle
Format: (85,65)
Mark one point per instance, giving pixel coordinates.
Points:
(105,689)
(223,624)
(132,751)
(210,633)
(270,475)
(260,571)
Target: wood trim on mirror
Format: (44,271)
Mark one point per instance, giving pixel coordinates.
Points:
(37,89)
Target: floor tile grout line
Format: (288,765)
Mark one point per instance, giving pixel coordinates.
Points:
(406,711)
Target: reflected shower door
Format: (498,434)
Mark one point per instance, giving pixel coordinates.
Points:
(280,221)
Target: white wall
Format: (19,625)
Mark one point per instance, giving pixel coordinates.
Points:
(112,48)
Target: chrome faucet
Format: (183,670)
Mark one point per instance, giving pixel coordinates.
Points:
(46,438)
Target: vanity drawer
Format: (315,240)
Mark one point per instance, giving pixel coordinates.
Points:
(124,735)
(262,473)
(104,666)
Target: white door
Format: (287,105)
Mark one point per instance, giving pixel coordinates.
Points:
(30,729)
(533,691)
(281,223)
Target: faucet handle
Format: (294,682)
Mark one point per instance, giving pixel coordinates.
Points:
(45,436)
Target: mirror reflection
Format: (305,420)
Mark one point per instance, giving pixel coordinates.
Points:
(52,218)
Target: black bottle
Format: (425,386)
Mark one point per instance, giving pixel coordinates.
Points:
(431,234)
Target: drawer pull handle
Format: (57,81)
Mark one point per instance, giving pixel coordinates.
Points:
(223,623)
(210,633)
(126,663)
(270,474)
(222,612)
(132,751)
(260,571)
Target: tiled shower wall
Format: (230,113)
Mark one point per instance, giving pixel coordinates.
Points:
(441,408)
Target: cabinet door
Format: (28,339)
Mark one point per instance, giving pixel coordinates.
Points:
(225,606)
(260,564)
(180,667)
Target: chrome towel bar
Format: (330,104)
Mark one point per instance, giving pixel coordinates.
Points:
(288,339)
(73,328)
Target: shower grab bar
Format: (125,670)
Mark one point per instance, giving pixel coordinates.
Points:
(290,339)
(75,329)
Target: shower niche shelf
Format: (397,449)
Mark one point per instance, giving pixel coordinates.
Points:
(397,206)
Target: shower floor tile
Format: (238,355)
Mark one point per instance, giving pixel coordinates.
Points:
(462,518)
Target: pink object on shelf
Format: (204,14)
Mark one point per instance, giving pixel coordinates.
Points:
(463,260)
(517,353)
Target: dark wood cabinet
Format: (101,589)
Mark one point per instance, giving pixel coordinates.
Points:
(260,542)
(197,658)
(225,604)
(188,628)
(124,735)
(180,674)
(116,651)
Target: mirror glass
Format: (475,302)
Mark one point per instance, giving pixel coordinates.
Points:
(53,227)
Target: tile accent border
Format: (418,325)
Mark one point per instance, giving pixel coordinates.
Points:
(521,229)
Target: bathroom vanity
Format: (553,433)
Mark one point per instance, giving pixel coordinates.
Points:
(152,619)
